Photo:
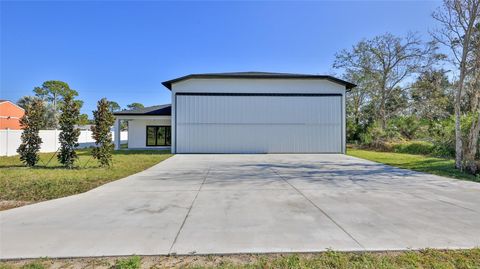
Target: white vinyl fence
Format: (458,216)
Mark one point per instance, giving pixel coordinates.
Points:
(10,140)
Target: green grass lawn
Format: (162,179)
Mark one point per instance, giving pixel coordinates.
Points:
(426,259)
(421,163)
(50,180)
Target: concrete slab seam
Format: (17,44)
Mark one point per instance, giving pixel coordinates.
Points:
(321,210)
(188,212)
(442,201)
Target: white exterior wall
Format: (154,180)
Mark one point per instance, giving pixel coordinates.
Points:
(137,130)
(299,86)
(10,140)
(258,86)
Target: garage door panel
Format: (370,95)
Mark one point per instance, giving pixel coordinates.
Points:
(258,124)
(257,109)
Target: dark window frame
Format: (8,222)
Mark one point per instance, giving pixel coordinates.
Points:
(166,143)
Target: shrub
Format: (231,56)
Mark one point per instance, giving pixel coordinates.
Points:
(406,126)
(31,140)
(33,265)
(69,136)
(442,135)
(133,262)
(377,138)
(414,147)
(103,119)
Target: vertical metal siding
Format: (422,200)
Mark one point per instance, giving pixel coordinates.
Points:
(259,124)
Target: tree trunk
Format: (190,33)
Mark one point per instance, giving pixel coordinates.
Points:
(383,121)
(463,73)
(471,151)
(458,136)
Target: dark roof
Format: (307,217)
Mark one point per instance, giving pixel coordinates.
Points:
(264,75)
(162,110)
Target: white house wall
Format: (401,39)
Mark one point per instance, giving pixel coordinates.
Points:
(258,86)
(137,131)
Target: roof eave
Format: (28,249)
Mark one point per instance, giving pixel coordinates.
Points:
(348,85)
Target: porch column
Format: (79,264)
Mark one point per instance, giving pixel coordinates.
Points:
(117,131)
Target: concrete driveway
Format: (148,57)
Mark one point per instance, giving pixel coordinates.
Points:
(250,203)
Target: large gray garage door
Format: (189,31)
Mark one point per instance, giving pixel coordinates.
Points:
(241,123)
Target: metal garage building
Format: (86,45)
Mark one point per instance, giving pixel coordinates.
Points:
(256,112)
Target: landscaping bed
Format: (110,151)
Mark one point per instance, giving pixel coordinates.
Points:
(426,259)
(20,185)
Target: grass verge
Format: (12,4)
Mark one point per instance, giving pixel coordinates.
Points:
(421,163)
(426,259)
(49,180)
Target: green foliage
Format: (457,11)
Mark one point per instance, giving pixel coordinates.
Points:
(68,137)
(135,106)
(33,265)
(377,137)
(53,92)
(31,140)
(442,135)
(83,119)
(380,66)
(413,147)
(53,181)
(47,121)
(406,126)
(114,106)
(421,163)
(133,262)
(25,100)
(103,120)
(431,95)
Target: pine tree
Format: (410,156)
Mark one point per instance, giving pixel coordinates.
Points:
(103,120)
(68,138)
(31,140)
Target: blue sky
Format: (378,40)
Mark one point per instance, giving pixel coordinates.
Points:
(124,50)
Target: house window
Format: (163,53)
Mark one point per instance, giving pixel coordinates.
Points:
(158,136)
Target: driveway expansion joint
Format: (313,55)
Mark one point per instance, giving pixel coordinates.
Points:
(188,213)
(320,209)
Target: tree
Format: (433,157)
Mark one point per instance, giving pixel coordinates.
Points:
(135,106)
(431,96)
(68,138)
(473,90)
(31,140)
(52,92)
(114,106)
(357,109)
(385,62)
(458,19)
(83,119)
(24,101)
(103,120)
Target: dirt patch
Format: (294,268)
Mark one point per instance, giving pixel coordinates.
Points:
(147,261)
(190,261)
(8,204)
(428,258)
